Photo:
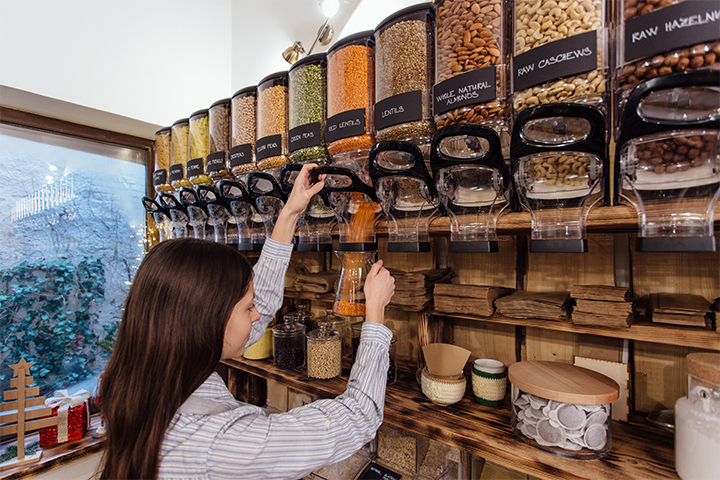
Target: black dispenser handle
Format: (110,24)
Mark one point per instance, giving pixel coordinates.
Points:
(493,158)
(356,185)
(417,170)
(252,180)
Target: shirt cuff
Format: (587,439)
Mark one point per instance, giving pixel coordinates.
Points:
(375,332)
(277,250)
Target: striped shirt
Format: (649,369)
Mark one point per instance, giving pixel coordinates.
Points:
(214,436)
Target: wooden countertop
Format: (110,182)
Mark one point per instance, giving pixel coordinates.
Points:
(638,451)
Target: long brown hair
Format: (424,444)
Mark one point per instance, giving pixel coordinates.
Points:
(170,340)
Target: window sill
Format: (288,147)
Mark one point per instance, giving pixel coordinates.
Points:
(57,455)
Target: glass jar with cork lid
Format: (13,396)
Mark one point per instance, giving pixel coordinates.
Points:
(324,352)
(272,123)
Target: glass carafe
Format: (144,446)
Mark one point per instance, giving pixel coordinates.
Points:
(350,299)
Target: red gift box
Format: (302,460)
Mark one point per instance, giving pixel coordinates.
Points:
(73,421)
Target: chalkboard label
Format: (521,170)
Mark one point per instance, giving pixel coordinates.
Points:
(160,177)
(402,108)
(558,59)
(304,136)
(671,28)
(215,161)
(270,146)
(195,167)
(176,172)
(240,155)
(346,124)
(469,88)
(377,472)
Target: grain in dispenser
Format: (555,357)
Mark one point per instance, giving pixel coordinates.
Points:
(470,75)
(179,152)
(559,157)
(307,110)
(272,123)
(242,139)
(199,141)
(668,160)
(161,182)
(562,409)
(219,141)
(472,183)
(404,76)
(406,193)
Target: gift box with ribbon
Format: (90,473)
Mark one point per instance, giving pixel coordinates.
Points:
(73,412)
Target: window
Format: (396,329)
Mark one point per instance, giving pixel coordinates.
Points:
(71,237)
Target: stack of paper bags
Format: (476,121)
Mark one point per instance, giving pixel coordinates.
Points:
(540,305)
(414,290)
(467,299)
(681,309)
(602,305)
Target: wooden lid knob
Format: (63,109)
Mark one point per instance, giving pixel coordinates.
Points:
(563,382)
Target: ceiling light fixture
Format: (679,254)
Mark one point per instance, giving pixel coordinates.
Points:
(324,34)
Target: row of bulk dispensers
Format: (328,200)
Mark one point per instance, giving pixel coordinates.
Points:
(667,167)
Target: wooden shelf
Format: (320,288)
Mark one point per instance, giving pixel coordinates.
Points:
(638,451)
(643,331)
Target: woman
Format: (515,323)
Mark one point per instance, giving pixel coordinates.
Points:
(194,303)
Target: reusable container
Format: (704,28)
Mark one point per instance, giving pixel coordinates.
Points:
(571,418)
(198,141)
(470,74)
(219,138)
(489,381)
(242,142)
(272,122)
(303,316)
(404,76)
(324,352)
(289,344)
(161,182)
(657,38)
(261,349)
(350,298)
(668,155)
(350,96)
(697,419)
(560,53)
(179,152)
(440,389)
(339,324)
(308,110)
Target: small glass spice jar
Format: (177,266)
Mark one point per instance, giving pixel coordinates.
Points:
(161,182)
(272,122)
(324,352)
(242,141)
(179,153)
(216,164)
(442,390)
(289,344)
(198,148)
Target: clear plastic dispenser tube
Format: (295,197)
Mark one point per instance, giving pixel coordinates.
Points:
(317,222)
(406,194)
(217,209)
(196,210)
(250,227)
(472,183)
(268,197)
(668,160)
(178,214)
(161,217)
(559,154)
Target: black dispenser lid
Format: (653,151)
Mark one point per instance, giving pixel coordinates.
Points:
(263,184)
(190,198)
(151,206)
(169,202)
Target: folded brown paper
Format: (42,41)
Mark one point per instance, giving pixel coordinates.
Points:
(444,359)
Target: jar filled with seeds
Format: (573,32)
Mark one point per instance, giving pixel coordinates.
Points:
(560,52)
(350,96)
(653,40)
(272,122)
(572,418)
(307,109)
(219,127)
(471,64)
(161,181)
(198,141)
(404,76)
(179,152)
(241,156)
(289,344)
(440,389)
(339,324)
(324,352)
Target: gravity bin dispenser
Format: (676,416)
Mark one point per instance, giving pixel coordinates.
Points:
(355,206)
(250,227)
(161,217)
(669,160)
(178,214)
(217,211)
(268,197)
(406,193)
(471,178)
(196,210)
(559,158)
(316,223)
